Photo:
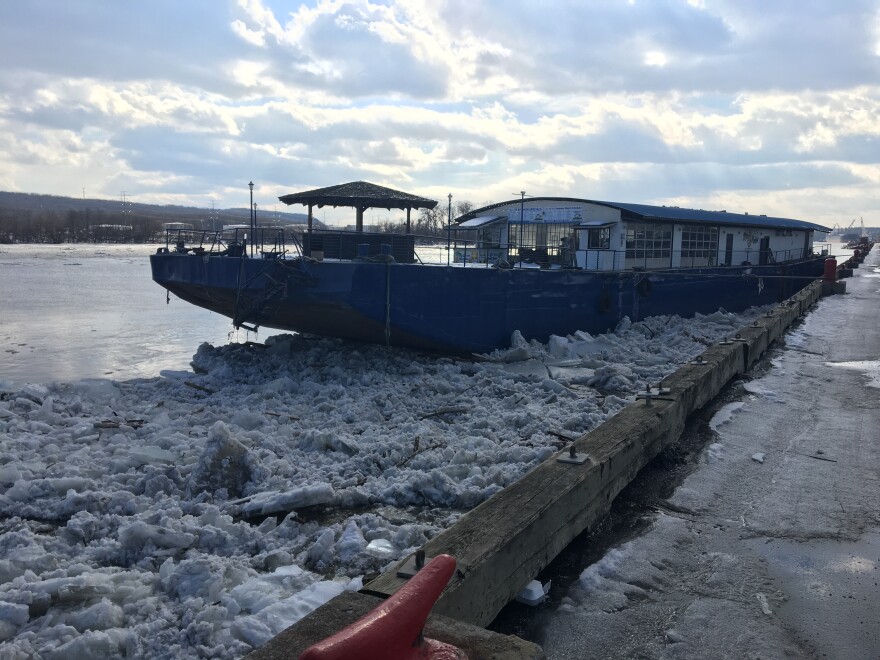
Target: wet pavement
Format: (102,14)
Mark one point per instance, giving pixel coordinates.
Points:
(758,535)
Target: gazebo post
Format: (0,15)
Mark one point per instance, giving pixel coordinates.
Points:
(408,209)
(359,220)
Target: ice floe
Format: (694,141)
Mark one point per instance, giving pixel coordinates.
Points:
(201,512)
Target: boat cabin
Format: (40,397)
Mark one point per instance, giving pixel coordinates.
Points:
(552,232)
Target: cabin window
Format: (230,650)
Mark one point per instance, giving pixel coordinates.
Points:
(600,239)
(539,234)
(699,242)
(490,236)
(648,241)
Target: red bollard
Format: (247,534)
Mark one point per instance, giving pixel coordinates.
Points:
(830,274)
(393,631)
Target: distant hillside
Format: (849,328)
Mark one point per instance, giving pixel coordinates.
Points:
(37,203)
(34,218)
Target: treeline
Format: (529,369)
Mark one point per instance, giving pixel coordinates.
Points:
(428,222)
(77,226)
(90,225)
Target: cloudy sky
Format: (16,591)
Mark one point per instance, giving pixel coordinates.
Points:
(766,106)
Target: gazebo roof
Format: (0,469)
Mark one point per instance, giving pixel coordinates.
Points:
(359,194)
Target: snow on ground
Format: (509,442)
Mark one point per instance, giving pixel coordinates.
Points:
(197,514)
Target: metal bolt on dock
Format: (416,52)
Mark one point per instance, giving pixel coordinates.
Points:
(652,393)
(573,457)
(412,565)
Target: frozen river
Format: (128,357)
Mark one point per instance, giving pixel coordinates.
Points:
(127,533)
(88,311)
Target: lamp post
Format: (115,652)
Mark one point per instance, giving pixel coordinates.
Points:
(448,228)
(253,228)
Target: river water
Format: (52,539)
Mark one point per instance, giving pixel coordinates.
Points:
(92,311)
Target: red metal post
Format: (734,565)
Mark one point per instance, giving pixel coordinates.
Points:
(830,274)
(393,631)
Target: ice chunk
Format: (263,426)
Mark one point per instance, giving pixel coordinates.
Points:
(34,393)
(225,463)
(14,613)
(534,593)
(319,440)
(152,455)
(351,543)
(9,474)
(100,616)
(725,414)
(200,577)
(93,644)
(380,548)
(275,502)
(322,551)
(138,533)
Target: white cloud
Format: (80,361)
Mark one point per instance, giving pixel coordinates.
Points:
(635,102)
(256,37)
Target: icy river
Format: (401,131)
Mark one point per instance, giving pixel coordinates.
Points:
(89,311)
(150,508)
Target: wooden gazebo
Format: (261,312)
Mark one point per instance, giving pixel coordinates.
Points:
(362,196)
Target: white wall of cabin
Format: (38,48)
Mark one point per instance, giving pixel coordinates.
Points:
(783,247)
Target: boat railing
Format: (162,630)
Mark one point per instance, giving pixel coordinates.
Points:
(276,242)
(262,242)
(471,253)
(710,258)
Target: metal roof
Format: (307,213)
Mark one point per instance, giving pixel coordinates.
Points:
(481,221)
(670,214)
(648,212)
(359,194)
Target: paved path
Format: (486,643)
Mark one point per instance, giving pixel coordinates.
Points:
(779,558)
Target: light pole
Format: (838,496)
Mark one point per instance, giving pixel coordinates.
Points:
(448,228)
(253,228)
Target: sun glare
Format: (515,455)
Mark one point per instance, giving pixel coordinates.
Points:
(655,58)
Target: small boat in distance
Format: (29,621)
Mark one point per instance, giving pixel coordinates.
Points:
(541,265)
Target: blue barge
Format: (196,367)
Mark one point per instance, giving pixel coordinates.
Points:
(542,266)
